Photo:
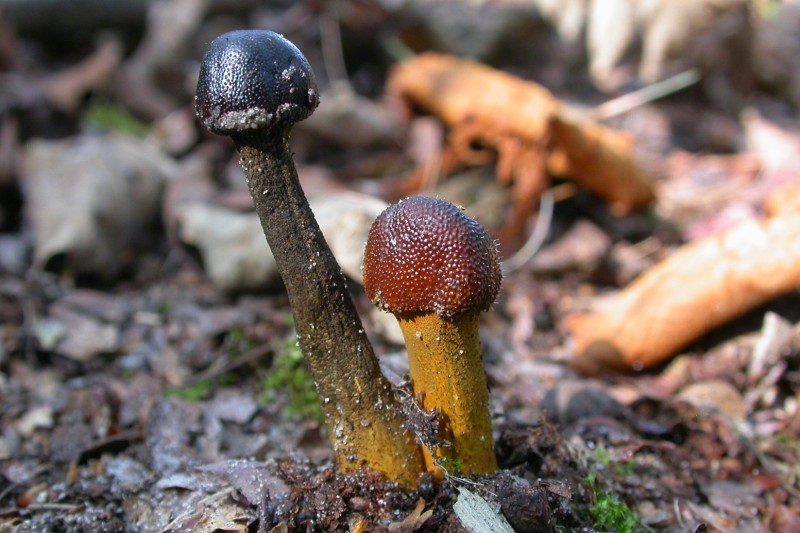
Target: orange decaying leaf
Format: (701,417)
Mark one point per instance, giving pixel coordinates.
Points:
(701,286)
(460,92)
(528,128)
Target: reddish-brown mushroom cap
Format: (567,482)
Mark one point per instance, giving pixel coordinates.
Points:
(425,255)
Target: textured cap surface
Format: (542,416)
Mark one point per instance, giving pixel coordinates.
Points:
(254,79)
(425,255)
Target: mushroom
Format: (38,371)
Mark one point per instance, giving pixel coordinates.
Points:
(436,269)
(253,86)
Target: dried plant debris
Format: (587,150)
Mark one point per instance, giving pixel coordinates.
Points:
(231,245)
(92,200)
(530,130)
(141,392)
(477,515)
(667,30)
(703,285)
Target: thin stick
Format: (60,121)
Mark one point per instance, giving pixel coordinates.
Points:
(645,95)
(332,53)
(537,238)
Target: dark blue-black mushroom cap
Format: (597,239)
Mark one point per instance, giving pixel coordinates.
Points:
(251,80)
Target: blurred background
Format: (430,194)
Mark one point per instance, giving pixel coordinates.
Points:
(144,330)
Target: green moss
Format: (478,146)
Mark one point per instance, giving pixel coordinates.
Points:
(165,308)
(451,466)
(202,389)
(236,343)
(601,454)
(289,374)
(788,441)
(193,393)
(127,374)
(104,115)
(609,512)
(623,469)
(768,9)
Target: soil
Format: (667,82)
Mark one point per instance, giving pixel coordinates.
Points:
(140,401)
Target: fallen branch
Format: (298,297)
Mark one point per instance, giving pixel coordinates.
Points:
(702,286)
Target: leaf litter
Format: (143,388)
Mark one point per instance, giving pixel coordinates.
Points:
(131,392)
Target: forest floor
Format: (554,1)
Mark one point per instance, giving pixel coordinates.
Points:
(140,392)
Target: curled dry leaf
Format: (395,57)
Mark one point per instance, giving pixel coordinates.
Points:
(231,245)
(415,520)
(703,285)
(526,126)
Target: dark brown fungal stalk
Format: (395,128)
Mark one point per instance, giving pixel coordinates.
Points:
(436,269)
(253,86)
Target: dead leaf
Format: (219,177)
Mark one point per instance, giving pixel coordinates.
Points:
(602,161)
(257,482)
(477,516)
(717,395)
(581,249)
(368,124)
(345,220)
(706,193)
(232,245)
(92,201)
(237,257)
(166,45)
(84,337)
(488,112)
